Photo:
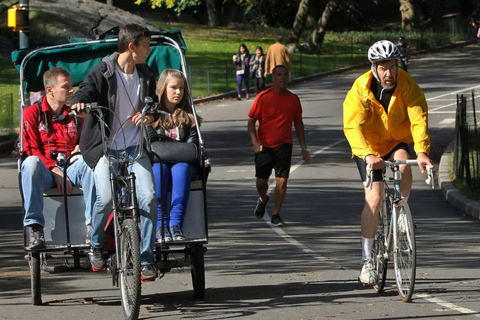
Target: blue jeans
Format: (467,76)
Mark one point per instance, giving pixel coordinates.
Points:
(36,178)
(147,201)
(243,78)
(181,174)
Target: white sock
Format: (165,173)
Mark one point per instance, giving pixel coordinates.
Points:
(405,198)
(367,244)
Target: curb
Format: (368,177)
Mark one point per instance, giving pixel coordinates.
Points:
(452,195)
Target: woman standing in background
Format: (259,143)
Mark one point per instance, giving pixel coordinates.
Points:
(241,60)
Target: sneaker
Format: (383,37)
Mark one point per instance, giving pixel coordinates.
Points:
(177,233)
(277,221)
(260,208)
(37,240)
(88,237)
(149,272)
(96,259)
(368,276)
(167,235)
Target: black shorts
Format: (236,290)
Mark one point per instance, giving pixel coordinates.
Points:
(278,158)
(377,174)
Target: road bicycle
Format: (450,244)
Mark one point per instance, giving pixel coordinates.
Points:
(395,236)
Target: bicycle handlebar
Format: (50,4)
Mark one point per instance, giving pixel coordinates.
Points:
(392,163)
(149,108)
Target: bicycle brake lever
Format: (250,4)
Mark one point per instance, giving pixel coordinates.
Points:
(430,178)
(368,183)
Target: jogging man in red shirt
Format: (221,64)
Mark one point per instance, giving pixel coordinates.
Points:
(275,109)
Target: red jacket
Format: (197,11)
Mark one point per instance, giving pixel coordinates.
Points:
(39,139)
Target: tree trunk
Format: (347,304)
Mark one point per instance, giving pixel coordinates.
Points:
(410,14)
(299,24)
(110,2)
(213,9)
(316,41)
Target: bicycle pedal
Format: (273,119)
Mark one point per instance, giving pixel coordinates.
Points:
(147,280)
(99,270)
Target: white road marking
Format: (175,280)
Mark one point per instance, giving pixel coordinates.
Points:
(447,305)
(453,92)
(279,230)
(447,121)
(442,112)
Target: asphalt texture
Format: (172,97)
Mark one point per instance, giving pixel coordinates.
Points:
(306,270)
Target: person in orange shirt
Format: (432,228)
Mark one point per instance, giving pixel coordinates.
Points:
(277,54)
(275,109)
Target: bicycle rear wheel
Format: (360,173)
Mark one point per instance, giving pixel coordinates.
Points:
(404,252)
(130,284)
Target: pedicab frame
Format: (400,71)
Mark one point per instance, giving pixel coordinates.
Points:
(78,57)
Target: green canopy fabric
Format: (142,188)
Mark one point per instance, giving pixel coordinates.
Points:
(79,58)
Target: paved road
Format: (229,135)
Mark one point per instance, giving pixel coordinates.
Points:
(306,270)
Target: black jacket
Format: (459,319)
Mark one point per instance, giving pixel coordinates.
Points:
(100,86)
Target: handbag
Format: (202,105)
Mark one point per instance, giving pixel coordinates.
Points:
(174,152)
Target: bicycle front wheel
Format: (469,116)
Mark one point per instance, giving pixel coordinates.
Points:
(404,252)
(379,261)
(130,283)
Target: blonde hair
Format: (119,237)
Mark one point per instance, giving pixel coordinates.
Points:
(183,113)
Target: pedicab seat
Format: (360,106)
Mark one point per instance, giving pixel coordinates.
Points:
(55,220)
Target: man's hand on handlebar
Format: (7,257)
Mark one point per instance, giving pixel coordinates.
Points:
(424,161)
(137,118)
(79,110)
(374,161)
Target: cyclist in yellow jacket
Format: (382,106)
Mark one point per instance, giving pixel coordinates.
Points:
(384,111)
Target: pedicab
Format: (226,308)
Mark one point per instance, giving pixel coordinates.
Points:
(65,228)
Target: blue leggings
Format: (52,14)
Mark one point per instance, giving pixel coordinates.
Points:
(181,174)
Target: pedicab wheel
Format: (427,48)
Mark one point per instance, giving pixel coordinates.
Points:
(130,283)
(34,262)
(198,270)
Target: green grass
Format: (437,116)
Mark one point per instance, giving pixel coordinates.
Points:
(209,56)
(9,94)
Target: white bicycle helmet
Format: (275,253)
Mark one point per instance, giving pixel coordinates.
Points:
(383,50)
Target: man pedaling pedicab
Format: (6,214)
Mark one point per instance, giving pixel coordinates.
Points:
(50,136)
(120,82)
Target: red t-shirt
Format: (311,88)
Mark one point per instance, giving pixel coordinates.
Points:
(61,134)
(275,115)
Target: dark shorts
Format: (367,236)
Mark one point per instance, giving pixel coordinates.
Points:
(378,174)
(278,158)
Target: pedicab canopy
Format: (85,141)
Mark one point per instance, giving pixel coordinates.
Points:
(79,56)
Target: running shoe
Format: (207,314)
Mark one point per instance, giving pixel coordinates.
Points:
(259,211)
(368,276)
(37,240)
(177,233)
(96,259)
(149,272)
(277,221)
(166,232)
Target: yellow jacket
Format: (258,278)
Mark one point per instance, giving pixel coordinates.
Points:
(370,130)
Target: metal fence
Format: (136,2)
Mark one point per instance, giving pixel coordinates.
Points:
(466,157)
(6,112)
(218,77)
